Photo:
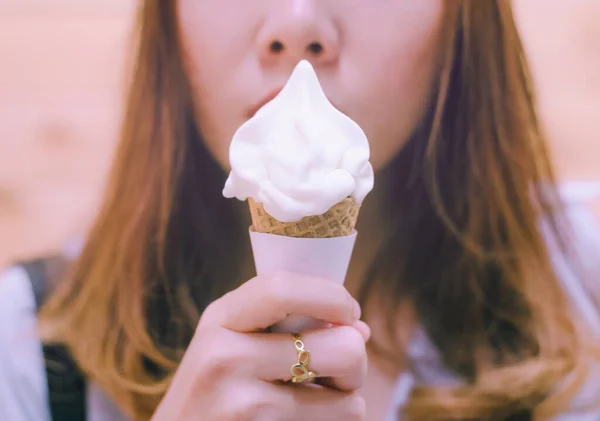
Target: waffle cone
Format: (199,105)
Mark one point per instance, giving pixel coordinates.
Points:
(338,221)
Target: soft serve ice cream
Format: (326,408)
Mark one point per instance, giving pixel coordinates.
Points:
(304,166)
(299,155)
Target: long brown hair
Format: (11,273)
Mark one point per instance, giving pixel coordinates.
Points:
(467,194)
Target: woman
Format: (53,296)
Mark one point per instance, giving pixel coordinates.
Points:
(463,266)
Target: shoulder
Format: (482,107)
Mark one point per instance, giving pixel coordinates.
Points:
(16,295)
(23,390)
(577,260)
(582,247)
(578,268)
(17,305)
(585,232)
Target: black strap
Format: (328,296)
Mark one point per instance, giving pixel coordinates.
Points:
(36,272)
(66,383)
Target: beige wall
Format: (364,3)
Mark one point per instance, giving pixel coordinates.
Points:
(60,83)
(563,41)
(60,99)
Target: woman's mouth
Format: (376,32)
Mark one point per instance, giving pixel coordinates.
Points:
(265,100)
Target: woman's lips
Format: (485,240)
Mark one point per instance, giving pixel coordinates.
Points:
(268,98)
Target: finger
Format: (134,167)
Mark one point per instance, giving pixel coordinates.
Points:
(264,301)
(262,400)
(363,329)
(317,403)
(338,353)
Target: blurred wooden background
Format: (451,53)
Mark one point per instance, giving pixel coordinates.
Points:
(61,72)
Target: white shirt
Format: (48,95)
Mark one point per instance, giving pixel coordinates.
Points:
(24,392)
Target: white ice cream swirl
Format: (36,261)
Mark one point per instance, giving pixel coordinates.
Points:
(299,155)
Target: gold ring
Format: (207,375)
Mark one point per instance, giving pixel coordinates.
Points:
(300,371)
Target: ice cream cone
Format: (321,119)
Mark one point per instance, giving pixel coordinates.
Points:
(338,221)
(319,246)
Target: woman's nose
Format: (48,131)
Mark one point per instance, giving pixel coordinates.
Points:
(296,30)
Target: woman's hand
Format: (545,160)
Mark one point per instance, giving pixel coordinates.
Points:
(235,371)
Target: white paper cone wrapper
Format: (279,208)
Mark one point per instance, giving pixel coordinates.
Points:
(326,258)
